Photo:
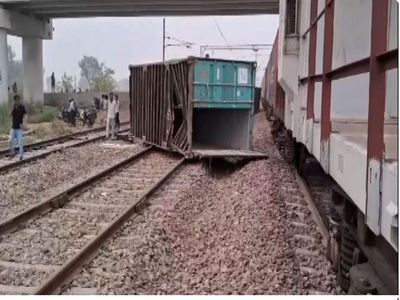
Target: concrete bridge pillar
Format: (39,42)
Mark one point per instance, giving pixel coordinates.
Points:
(3,67)
(32,60)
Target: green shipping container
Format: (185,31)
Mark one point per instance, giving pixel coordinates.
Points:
(196,106)
(223,83)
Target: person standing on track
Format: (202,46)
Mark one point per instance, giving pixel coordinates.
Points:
(53,83)
(72,111)
(111,117)
(18,114)
(117,122)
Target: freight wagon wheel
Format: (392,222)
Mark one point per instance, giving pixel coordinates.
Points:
(347,247)
(289,150)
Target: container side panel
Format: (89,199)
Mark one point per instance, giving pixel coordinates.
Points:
(348,166)
(393,26)
(352,31)
(321,6)
(316,148)
(389,213)
(392,99)
(223,84)
(320,45)
(317,101)
(350,98)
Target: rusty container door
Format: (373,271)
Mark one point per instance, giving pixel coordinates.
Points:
(159,96)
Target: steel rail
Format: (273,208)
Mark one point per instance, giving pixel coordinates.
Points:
(58,139)
(62,275)
(305,188)
(17,163)
(63,197)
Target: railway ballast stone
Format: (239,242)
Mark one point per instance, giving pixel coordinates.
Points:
(25,186)
(234,234)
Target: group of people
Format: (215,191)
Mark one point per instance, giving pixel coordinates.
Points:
(109,103)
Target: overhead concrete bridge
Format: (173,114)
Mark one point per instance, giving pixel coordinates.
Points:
(32,20)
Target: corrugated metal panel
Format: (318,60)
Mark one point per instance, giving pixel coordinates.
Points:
(159,101)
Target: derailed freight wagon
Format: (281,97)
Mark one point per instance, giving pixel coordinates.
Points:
(199,107)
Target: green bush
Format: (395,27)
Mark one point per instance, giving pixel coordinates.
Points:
(5,119)
(47,114)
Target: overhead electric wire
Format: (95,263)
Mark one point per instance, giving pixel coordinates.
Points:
(170,37)
(222,34)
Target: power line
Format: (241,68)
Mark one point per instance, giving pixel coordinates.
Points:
(222,34)
(178,42)
(168,36)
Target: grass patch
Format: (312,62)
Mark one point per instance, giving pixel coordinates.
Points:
(45,115)
(5,119)
(52,129)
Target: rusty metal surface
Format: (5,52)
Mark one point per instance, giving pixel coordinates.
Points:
(160,101)
(327,67)
(376,113)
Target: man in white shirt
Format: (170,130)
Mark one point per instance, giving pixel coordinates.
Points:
(111,117)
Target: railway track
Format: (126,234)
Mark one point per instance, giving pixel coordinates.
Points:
(56,140)
(315,188)
(42,149)
(42,247)
(308,233)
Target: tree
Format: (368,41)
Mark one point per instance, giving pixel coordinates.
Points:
(98,75)
(105,81)
(90,69)
(67,82)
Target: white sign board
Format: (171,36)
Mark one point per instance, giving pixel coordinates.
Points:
(243,76)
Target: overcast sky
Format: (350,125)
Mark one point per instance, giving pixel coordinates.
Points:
(119,42)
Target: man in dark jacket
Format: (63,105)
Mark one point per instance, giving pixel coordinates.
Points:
(18,114)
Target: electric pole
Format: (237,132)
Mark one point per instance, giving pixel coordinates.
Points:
(163,53)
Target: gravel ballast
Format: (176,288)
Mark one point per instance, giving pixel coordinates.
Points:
(29,184)
(249,232)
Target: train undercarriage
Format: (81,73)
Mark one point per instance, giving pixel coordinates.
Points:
(364,263)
